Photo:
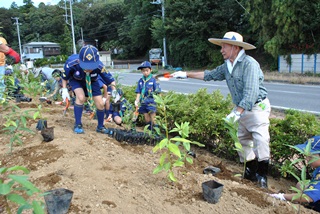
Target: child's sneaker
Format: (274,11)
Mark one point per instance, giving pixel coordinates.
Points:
(78,129)
(102,130)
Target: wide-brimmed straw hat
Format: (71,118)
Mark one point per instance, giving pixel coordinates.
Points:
(232,38)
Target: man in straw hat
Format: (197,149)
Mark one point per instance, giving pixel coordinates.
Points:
(252,107)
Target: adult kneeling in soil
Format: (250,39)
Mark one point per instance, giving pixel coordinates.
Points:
(82,71)
(252,107)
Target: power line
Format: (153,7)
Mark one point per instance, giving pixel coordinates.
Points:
(242,6)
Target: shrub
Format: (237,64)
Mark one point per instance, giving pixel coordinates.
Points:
(204,111)
(295,128)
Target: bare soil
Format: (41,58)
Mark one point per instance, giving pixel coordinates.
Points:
(107,176)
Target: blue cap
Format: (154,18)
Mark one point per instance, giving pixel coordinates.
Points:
(145,64)
(89,57)
(315,144)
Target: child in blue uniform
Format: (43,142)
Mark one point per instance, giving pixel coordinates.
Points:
(147,86)
(107,90)
(312,193)
(116,116)
(75,69)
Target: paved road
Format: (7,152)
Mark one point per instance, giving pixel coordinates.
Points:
(283,96)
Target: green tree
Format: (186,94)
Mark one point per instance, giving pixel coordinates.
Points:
(286,27)
(66,42)
(100,20)
(135,33)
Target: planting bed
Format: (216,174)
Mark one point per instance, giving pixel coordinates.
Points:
(108,176)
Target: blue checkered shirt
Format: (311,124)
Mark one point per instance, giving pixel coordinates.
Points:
(245,81)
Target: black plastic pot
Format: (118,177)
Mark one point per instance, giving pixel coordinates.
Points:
(119,135)
(116,106)
(111,132)
(41,124)
(58,201)
(47,134)
(211,170)
(212,191)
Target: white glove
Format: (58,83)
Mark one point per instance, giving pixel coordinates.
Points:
(234,114)
(104,100)
(136,102)
(65,94)
(181,74)
(279,196)
(114,93)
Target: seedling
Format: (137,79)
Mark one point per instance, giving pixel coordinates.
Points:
(127,116)
(174,149)
(15,124)
(232,127)
(32,89)
(13,189)
(302,179)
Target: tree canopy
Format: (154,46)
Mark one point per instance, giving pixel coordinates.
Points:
(273,26)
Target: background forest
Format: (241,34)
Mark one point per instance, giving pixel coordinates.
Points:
(135,26)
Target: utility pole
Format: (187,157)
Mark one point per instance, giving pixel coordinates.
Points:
(163,19)
(97,43)
(72,27)
(17,23)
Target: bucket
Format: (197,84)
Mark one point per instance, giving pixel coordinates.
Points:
(212,191)
(58,201)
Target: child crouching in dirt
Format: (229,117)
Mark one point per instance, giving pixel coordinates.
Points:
(311,195)
(117,114)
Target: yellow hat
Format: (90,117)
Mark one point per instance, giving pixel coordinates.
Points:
(3,40)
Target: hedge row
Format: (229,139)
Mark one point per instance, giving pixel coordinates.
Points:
(205,111)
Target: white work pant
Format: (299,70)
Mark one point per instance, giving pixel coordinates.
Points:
(253,132)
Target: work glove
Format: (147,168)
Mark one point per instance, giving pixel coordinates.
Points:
(114,94)
(65,94)
(180,74)
(279,196)
(109,119)
(234,114)
(104,100)
(13,55)
(136,103)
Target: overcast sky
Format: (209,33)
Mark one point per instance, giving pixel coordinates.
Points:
(7,3)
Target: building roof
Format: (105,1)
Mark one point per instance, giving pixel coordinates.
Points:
(105,52)
(40,44)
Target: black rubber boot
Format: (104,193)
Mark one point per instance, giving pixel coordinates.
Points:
(262,173)
(251,170)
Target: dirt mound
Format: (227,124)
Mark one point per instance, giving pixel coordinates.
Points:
(111,177)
